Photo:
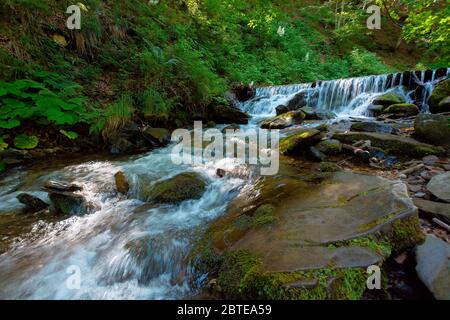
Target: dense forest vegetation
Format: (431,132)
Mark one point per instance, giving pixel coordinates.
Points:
(168,61)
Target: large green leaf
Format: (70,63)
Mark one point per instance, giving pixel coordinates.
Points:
(9,124)
(23,141)
(72,135)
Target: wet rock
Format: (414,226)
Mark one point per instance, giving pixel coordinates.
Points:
(432,208)
(159,136)
(298,101)
(329,146)
(223,114)
(120,145)
(440,92)
(243,92)
(32,203)
(317,154)
(281,109)
(375,109)
(220,173)
(432,128)
(430,160)
(433,266)
(284,120)
(370,126)
(184,186)
(67,203)
(444,105)
(300,140)
(61,186)
(391,143)
(322,127)
(122,184)
(388,99)
(403,109)
(439,186)
(157,119)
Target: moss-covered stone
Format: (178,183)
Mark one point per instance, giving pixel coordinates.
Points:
(406,233)
(329,146)
(300,140)
(329,167)
(388,99)
(185,186)
(405,109)
(284,120)
(264,215)
(440,92)
(432,128)
(391,143)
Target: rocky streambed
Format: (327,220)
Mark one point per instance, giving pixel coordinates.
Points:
(363,182)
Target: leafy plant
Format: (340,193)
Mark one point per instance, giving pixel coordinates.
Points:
(23,141)
(72,135)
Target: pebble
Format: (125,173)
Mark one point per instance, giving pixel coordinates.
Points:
(414,187)
(419,194)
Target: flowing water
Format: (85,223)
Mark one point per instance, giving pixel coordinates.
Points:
(125,248)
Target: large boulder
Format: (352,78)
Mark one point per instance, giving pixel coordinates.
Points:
(32,203)
(281,109)
(300,140)
(388,99)
(391,143)
(228,115)
(67,203)
(433,266)
(439,186)
(156,119)
(444,105)
(184,186)
(432,128)
(402,109)
(439,94)
(284,120)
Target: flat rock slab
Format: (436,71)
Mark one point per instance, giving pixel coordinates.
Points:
(345,206)
(391,143)
(433,266)
(435,208)
(439,185)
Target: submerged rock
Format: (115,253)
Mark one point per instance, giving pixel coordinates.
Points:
(433,266)
(391,143)
(284,120)
(388,99)
(122,184)
(439,94)
(439,186)
(62,186)
(32,203)
(184,186)
(223,114)
(67,203)
(432,128)
(299,140)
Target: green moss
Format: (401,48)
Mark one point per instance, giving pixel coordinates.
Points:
(440,92)
(406,233)
(379,244)
(299,140)
(264,215)
(388,99)
(407,109)
(329,167)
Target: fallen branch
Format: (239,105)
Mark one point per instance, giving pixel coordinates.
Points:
(441,224)
(365,155)
(412,169)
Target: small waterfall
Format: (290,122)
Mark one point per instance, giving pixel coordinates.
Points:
(350,96)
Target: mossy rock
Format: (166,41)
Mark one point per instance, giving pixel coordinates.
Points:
(444,105)
(184,186)
(405,109)
(391,143)
(300,140)
(264,215)
(370,126)
(432,128)
(160,136)
(226,115)
(440,92)
(281,109)
(329,146)
(284,120)
(388,99)
(329,167)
